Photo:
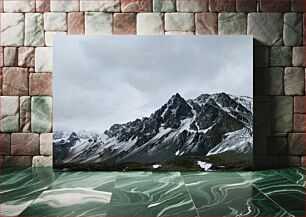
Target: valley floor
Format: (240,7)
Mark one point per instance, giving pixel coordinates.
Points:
(188,163)
(44,192)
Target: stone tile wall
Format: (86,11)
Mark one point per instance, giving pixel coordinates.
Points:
(28,26)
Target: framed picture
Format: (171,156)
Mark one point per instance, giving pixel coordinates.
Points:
(174,103)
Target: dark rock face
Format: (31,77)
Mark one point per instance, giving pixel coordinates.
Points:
(61,148)
(178,128)
(177,109)
(73,137)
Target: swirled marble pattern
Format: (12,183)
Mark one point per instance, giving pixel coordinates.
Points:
(285,192)
(228,194)
(151,194)
(295,174)
(43,192)
(75,194)
(19,188)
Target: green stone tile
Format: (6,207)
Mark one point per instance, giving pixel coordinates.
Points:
(10,174)
(10,124)
(70,202)
(261,177)
(184,208)
(189,177)
(19,188)
(164,177)
(9,115)
(151,194)
(283,191)
(75,194)
(143,187)
(227,194)
(204,187)
(243,205)
(41,114)
(296,174)
(128,180)
(102,181)
(169,194)
(290,197)
(164,5)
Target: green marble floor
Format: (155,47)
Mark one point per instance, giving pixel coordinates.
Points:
(43,192)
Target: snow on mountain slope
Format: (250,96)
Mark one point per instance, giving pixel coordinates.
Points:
(240,141)
(246,101)
(207,125)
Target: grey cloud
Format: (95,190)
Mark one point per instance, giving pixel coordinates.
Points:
(102,80)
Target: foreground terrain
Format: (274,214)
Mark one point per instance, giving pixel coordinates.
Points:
(43,192)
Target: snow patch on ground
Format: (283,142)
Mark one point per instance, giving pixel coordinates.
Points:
(204,165)
(155,166)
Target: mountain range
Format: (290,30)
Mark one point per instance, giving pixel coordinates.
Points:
(211,124)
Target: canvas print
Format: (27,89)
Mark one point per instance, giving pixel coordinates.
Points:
(174,103)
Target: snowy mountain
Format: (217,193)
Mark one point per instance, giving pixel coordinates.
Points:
(205,126)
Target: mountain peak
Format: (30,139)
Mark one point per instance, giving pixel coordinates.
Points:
(176,99)
(177,95)
(73,134)
(221,97)
(202,98)
(220,94)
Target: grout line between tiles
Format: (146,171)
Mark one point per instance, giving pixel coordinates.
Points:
(61,174)
(291,180)
(110,201)
(39,194)
(267,196)
(190,195)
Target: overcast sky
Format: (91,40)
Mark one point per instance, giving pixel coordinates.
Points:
(103,80)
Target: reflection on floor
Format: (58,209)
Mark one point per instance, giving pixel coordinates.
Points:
(42,192)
